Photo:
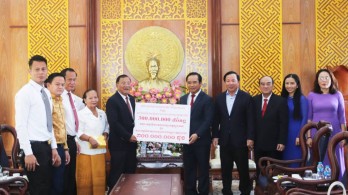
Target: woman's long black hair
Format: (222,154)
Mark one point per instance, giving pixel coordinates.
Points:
(297,95)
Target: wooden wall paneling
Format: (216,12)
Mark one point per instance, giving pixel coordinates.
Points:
(17,41)
(97,40)
(229,11)
(230,50)
(307,45)
(18,12)
(6,73)
(78,56)
(78,43)
(5,62)
(216,46)
(19,59)
(78,13)
(291,11)
(291,49)
(92,42)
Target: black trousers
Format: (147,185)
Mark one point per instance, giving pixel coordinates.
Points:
(70,169)
(41,179)
(196,166)
(228,155)
(121,162)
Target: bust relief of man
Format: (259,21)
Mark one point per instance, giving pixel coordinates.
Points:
(153,66)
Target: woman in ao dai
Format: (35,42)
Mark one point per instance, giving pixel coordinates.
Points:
(298,111)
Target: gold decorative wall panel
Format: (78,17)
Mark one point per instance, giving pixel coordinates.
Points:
(195,9)
(48,32)
(114,14)
(111,56)
(260,43)
(111,9)
(197,49)
(153,9)
(331,33)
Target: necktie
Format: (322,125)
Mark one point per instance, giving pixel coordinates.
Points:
(129,107)
(48,110)
(74,111)
(192,98)
(264,107)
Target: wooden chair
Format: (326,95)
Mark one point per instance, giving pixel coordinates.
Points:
(274,166)
(311,187)
(9,135)
(13,185)
(3,192)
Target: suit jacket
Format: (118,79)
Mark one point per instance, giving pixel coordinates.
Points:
(201,117)
(121,122)
(236,127)
(272,128)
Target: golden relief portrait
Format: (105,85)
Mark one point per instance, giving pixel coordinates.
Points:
(153,65)
(154,56)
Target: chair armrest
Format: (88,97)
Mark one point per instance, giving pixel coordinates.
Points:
(311,184)
(288,170)
(264,169)
(22,187)
(302,191)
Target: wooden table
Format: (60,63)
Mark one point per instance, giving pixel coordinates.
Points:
(160,165)
(148,184)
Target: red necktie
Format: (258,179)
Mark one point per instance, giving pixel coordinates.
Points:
(74,111)
(128,105)
(192,98)
(264,107)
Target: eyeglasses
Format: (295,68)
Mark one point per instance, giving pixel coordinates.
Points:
(324,78)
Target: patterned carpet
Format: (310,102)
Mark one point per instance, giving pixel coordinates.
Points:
(217,186)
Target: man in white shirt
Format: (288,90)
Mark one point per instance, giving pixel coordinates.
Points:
(34,128)
(71,103)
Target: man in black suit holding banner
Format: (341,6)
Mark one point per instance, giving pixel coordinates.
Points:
(122,143)
(196,153)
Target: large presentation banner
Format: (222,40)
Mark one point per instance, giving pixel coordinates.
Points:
(162,123)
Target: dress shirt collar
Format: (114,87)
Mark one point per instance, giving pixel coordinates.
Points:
(196,94)
(36,85)
(268,98)
(124,97)
(65,92)
(228,94)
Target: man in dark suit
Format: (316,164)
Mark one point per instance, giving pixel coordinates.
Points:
(233,129)
(122,143)
(196,153)
(271,122)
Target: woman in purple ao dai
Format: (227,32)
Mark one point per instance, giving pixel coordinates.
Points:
(327,103)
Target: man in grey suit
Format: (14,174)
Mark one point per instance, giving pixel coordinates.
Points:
(196,153)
